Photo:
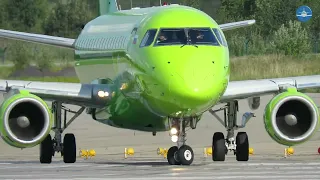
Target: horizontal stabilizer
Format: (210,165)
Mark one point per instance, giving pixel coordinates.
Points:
(235,25)
(38,38)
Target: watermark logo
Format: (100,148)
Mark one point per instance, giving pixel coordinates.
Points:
(304,13)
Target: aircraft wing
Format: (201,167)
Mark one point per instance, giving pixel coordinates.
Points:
(38,38)
(253,88)
(70,93)
(235,25)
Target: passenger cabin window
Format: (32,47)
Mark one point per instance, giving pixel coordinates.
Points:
(220,37)
(186,36)
(148,38)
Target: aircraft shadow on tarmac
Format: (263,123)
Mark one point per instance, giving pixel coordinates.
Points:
(143,163)
(135,163)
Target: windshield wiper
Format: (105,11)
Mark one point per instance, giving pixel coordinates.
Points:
(189,43)
(186,32)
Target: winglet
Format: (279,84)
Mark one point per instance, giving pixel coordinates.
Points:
(235,25)
(108,6)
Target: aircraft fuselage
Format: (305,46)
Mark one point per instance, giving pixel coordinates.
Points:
(152,82)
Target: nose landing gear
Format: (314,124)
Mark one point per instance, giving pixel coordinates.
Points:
(181,154)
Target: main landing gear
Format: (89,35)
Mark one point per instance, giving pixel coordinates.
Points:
(181,154)
(240,144)
(49,146)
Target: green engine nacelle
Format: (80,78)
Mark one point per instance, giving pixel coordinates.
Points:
(291,117)
(25,119)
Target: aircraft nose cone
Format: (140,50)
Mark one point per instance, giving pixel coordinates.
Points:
(190,79)
(192,86)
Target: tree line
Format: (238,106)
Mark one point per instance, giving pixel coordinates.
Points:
(276,30)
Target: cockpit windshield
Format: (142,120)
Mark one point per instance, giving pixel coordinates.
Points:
(185,36)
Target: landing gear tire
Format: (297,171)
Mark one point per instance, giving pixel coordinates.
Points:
(46,150)
(242,150)
(185,154)
(69,148)
(218,147)
(172,156)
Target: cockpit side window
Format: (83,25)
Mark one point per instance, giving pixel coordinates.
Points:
(203,36)
(186,36)
(148,38)
(220,37)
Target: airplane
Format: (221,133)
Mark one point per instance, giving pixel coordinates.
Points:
(132,80)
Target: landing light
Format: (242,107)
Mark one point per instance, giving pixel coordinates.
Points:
(173,131)
(103,94)
(174,138)
(123,86)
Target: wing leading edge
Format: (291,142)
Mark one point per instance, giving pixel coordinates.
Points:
(38,38)
(88,94)
(70,93)
(235,25)
(251,88)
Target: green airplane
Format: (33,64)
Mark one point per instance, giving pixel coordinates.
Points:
(152,69)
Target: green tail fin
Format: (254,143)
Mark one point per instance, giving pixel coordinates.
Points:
(107,6)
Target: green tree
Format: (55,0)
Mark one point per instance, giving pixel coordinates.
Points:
(43,57)
(236,10)
(67,19)
(20,54)
(270,15)
(192,3)
(3,15)
(314,23)
(292,39)
(57,22)
(25,15)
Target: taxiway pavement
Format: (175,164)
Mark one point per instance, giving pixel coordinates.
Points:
(267,162)
(270,168)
